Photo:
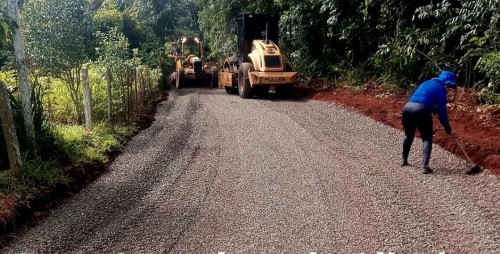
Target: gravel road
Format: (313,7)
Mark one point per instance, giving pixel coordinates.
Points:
(216,173)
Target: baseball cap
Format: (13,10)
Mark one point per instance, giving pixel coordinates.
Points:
(448,78)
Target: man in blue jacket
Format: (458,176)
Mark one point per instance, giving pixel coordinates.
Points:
(429,97)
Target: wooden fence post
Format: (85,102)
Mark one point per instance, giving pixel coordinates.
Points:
(9,131)
(87,98)
(136,93)
(142,89)
(148,79)
(109,80)
(130,80)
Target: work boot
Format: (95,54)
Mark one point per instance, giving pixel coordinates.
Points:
(427,170)
(404,162)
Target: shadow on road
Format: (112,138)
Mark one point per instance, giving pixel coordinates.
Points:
(298,94)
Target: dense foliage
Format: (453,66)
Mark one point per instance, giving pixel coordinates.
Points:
(401,41)
(63,37)
(6,25)
(58,37)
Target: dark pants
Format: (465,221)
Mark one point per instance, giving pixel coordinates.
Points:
(417,116)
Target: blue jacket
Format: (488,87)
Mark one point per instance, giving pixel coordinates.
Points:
(432,94)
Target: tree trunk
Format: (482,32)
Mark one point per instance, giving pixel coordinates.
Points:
(72,83)
(77,80)
(17,41)
(140,89)
(136,91)
(147,78)
(143,85)
(129,100)
(110,100)
(123,95)
(87,99)
(9,131)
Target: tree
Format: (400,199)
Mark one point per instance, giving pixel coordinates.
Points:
(113,51)
(466,32)
(7,25)
(304,37)
(159,21)
(59,37)
(217,22)
(22,70)
(113,55)
(108,17)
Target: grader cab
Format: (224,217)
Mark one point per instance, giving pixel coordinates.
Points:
(190,65)
(259,64)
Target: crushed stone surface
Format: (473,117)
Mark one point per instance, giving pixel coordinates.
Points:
(217,173)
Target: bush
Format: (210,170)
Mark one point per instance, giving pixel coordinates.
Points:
(356,76)
(398,63)
(489,64)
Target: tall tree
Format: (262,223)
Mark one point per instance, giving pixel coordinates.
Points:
(108,17)
(18,43)
(59,36)
(159,21)
(217,22)
(113,55)
(7,25)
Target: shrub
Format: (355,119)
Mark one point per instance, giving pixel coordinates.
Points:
(489,64)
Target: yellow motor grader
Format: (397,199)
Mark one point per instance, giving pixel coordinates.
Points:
(190,67)
(259,63)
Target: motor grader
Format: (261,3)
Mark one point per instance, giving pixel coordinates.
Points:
(259,63)
(190,67)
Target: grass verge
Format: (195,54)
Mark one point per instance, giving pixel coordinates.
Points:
(40,179)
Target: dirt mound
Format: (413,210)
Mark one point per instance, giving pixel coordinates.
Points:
(476,127)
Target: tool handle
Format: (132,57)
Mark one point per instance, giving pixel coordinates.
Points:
(462,148)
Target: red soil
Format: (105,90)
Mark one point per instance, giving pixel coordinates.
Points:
(476,127)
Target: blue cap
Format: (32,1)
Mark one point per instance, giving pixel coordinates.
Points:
(448,78)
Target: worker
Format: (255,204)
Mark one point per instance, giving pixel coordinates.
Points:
(175,52)
(430,97)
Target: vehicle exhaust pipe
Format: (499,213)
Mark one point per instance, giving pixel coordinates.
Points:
(267,37)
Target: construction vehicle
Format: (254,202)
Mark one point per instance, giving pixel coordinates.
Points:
(190,67)
(259,63)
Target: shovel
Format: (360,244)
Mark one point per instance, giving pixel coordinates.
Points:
(475,168)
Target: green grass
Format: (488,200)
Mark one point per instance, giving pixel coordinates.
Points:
(9,184)
(35,174)
(42,173)
(78,146)
(82,146)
